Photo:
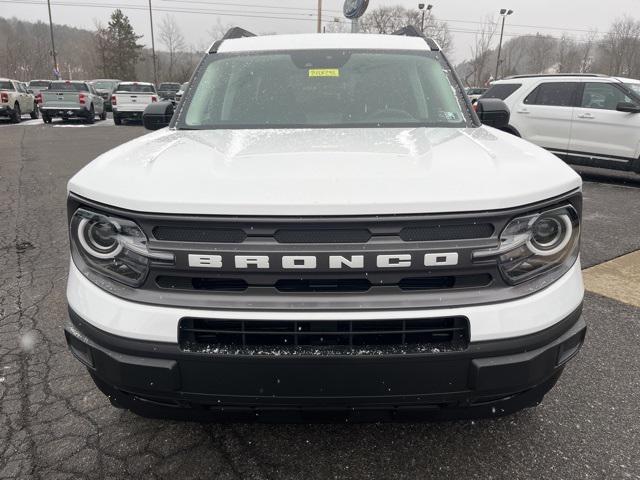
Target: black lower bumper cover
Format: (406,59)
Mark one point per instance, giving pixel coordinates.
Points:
(487,379)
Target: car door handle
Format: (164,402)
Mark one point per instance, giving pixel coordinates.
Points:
(523,111)
(586,115)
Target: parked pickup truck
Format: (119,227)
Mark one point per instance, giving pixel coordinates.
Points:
(130,99)
(168,90)
(105,88)
(72,99)
(14,100)
(326,226)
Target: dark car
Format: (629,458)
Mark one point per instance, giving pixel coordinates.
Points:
(168,90)
(105,87)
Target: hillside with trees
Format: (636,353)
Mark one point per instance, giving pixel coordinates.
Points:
(616,52)
(110,51)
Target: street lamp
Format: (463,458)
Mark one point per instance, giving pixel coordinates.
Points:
(504,13)
(421,6)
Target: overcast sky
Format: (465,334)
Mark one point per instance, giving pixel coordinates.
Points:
(545,16)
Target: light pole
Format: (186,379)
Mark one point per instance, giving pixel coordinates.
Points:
(56,72)
(153,48)
(503,13)
(421,7)
(319,16)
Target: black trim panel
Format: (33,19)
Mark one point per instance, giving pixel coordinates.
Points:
(484,372)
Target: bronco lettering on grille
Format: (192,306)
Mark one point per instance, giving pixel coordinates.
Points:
(311,262)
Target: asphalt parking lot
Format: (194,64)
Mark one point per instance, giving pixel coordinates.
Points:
(54,423)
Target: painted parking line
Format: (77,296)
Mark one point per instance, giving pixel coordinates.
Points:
(618,279)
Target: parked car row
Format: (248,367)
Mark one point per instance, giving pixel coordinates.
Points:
(68,99)
(585,119)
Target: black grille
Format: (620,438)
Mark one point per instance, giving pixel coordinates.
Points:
(279,337)
(188,234)
(323,285)
(442,283)
(197,283)
(319,285)
(446,232)
(322,236)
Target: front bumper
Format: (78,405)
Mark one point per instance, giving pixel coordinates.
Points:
(488,378)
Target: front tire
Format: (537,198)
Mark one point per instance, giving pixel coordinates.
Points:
(117,120)
(103,115)
(46,118)
(35,113)
(17,114)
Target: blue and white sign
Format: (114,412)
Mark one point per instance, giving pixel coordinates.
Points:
(354,9)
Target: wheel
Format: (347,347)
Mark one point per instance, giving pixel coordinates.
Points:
(35,113)
(17,114)
(92,115)
(46,118)
(103,115)
(117,120)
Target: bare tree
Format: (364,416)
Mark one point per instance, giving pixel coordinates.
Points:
(103,47)
(620,46)
(173,40)
(540,51)
(337,25)
(481,52)
(587,47)
(217,31)
(390,19)
(567,55)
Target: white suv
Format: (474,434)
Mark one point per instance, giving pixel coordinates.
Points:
(584,119)
(325,225)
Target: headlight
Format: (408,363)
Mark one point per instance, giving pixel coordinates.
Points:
(114,247)
(547,242)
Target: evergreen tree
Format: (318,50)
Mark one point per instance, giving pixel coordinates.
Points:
(120,48)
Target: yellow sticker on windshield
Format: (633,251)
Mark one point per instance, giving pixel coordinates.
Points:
(324,72)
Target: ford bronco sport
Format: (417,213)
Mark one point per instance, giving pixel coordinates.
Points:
(325,226)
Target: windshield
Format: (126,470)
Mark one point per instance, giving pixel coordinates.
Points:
(169,86)
(136,88)
(634,87)
(328,88)
(68,87)
(104,85)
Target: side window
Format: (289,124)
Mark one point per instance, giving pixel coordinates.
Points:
(501,90)
(19,88)
(555,94)
(603,96)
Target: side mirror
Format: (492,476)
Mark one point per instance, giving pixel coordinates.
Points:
(493,112)
(628,107)
(157,115)
(30,91)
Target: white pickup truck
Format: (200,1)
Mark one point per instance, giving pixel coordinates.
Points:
(129,100)
(15,100)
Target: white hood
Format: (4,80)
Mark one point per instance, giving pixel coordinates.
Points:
(324,172)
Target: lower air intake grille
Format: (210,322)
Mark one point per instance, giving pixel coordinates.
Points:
(324,337)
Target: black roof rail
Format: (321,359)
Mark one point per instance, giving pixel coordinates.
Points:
(411,31)
(534,75)
(235,32)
